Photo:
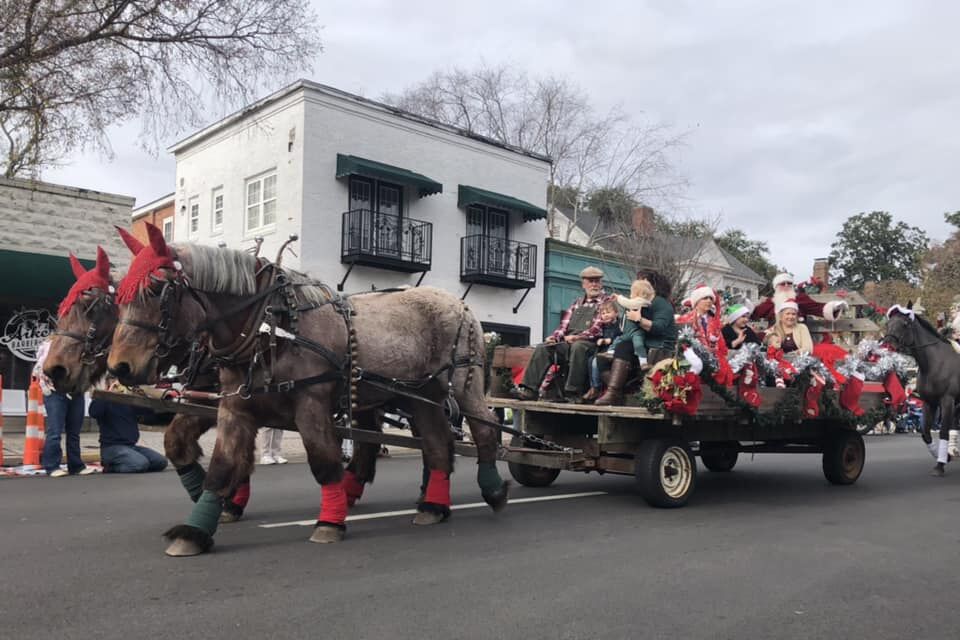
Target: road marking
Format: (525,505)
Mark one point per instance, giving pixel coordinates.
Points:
(456,507)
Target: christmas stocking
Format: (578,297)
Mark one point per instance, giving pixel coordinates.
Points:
(850,396)
(811,399)
(747,386)
(893,387)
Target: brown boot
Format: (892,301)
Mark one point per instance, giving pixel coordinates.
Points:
(591,395)
(618,377)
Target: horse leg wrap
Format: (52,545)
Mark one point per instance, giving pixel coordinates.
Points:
(437,497)
(191,477)
(953,450)
(206,513)
(333,504)
(353,487)
(942,448)
(850,396)
(492,487)
(238,501)
(932,448)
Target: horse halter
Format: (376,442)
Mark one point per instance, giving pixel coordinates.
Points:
(170,294)
(92,348)
(914,345)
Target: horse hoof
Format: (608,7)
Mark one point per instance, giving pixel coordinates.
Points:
(226,517)
(926,437)
(327,534)
(426,518)
(498,499)
(937,471)
(187,541)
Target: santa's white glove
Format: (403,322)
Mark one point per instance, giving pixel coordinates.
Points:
(696,364)
(834,308)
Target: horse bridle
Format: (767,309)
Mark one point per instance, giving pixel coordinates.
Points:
(92,348)
(913,345)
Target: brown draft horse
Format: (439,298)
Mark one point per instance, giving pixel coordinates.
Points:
(290,352)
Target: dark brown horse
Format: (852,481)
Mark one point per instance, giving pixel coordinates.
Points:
(294,353)
(938,382)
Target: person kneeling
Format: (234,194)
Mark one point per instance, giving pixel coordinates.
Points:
(119,434)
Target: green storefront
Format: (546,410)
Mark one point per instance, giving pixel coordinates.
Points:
(33,285)
(563,263)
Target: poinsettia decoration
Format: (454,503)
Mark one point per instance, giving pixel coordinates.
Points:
(813,285)
(679,390)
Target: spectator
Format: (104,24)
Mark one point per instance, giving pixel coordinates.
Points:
(737,332)
(64,416)
(272,443)
(119,435)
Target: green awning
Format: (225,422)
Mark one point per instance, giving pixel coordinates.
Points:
(473,195)
(40,276)
(354,166)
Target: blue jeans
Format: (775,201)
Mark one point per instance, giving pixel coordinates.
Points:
(595,381)
(121,458)
(64,415)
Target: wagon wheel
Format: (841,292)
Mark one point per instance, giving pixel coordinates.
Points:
(529,475)
(666,472)
(843,456)
(719,457)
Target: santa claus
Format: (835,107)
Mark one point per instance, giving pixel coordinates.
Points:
(784,290)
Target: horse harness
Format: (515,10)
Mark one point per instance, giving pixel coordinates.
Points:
(92,348)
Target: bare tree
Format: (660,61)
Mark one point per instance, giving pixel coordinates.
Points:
(71,68)
(551,116)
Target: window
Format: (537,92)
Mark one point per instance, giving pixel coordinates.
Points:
(380,212)
(261,202)
(168,229)
(216,220)
(487,238)
(194,210)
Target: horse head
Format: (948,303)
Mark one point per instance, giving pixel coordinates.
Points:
(86,320)
(156,318)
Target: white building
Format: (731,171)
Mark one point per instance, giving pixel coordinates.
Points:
(378,197)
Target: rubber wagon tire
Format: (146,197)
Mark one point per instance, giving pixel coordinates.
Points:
(666,472)
(529,475)
(718,456)
(843,457)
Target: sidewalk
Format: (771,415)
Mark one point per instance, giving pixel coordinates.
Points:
(152,437)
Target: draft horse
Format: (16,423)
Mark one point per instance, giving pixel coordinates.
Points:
(938,382)
(293,352)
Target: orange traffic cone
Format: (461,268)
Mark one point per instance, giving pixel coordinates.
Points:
(33,442)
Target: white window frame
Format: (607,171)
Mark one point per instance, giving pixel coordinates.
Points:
(260,228)
(215,228)
(167,225)
(193,221)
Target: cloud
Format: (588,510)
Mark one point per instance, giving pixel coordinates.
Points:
(801,113)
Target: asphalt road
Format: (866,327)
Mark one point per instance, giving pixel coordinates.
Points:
(768,551)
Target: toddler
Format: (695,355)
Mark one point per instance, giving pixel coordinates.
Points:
(610,320)
(641,296)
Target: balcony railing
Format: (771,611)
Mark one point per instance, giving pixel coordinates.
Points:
(498,262)
(390,242)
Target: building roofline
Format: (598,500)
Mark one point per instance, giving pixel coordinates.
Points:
(299,85)
(153,205)
(66,190)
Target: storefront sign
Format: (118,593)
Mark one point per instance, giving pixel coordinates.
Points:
(25,332)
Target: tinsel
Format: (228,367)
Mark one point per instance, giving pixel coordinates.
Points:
(755,353)
(688,338)
(806,363)
(875,361)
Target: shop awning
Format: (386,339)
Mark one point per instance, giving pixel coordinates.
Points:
(473,195)
(36,275)
(354,166)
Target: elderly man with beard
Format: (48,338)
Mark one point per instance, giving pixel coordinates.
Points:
(784,290)
(574,342)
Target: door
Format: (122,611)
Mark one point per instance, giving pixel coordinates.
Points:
(388,220)
(498,259)
(361,215)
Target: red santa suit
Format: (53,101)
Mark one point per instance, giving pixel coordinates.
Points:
(806,305)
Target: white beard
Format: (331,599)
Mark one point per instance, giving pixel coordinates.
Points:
(781,296)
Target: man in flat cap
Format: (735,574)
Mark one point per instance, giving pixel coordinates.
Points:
(574,342)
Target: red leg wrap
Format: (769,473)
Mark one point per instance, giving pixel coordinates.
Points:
(353,487)
(438,488)
(242,495)
(333,503)
(811,399)
(850,396)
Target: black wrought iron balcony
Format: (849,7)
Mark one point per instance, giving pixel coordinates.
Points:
(386,241)
(498,262)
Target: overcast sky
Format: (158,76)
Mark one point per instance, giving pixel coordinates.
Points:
(802,112)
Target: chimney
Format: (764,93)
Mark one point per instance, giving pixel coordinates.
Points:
(821,269)
(643,220)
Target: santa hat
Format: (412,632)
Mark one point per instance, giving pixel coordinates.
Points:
(790,303)
(781,278)
(735,311)
(702,291)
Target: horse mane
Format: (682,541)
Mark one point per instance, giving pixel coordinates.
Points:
(923,322)
(233,272)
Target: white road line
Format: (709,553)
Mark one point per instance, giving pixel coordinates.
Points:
(456,507)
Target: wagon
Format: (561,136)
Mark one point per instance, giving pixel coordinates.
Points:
(660,450)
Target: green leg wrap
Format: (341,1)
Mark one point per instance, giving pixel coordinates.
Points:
(191,477)
(488,477)
(206,513)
